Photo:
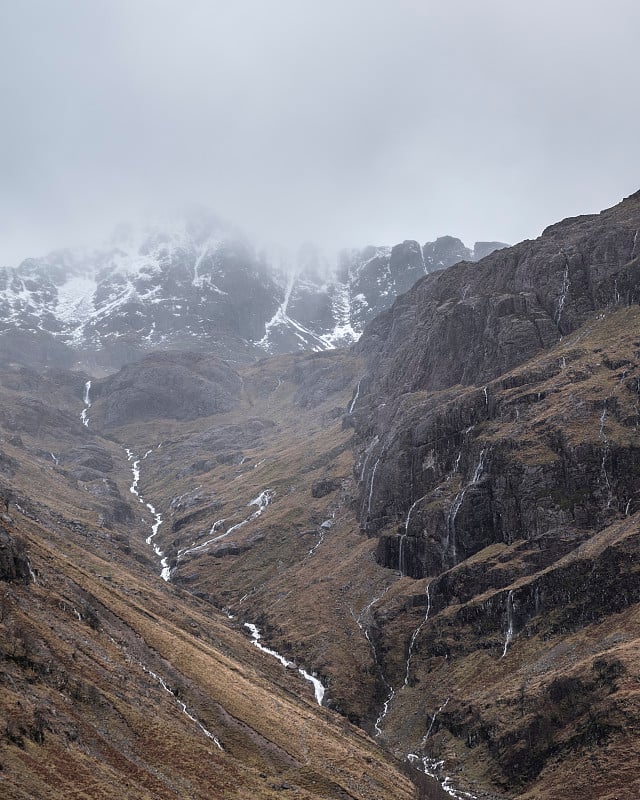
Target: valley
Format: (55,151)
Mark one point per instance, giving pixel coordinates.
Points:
(337,573)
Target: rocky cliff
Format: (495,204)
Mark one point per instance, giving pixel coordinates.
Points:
(198,284)
(498,459)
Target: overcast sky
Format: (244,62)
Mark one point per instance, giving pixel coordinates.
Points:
(340,122)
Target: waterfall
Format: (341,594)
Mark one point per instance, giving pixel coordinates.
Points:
(406,531)
(87,404)
(261,501)
(605,454)
(355,399)
(373,475)
(510,632)
(564,291)
(319,689)
(415,635)
(457,503)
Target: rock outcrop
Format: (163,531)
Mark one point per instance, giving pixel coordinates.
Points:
(14,564)
(170,385)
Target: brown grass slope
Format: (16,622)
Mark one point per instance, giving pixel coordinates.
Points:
(97,654)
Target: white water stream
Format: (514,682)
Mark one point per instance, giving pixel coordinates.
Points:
(165,573)
(402,536)
(605,454)
(183,707)
(510,630)
(457,503)
(564,291)
(261,501)
(319,689)
(87,404)
(355,399)
(415,635)
(373,477)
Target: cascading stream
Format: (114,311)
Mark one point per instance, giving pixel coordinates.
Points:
(183,707)
(510,630)
(87,404)
(261,501)
(457,503)
(319,689)
(165,573)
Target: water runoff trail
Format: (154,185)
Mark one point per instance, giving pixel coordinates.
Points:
(318,688)
(165,573)
(87,404)
(260,503)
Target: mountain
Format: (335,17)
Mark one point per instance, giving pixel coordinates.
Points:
(434,532)
(199,284)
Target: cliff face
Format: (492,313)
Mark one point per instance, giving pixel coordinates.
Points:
(479,379)
(498,459)
(469,324)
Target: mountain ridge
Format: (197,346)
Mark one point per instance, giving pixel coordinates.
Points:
(200,282)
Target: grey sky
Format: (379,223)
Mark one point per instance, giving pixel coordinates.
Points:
(342,122)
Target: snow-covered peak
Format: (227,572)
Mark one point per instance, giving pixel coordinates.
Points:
(195,282)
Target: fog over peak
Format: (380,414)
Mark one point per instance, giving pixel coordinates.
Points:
(341,123)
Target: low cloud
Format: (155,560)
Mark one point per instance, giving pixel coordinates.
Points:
(343,122)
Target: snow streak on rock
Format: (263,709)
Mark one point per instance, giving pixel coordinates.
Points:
(281,320)
(343,333)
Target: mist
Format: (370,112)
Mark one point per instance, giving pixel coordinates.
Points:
(342,123)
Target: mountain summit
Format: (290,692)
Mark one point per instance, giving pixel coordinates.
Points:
(200,284)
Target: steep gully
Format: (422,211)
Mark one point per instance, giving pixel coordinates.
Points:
(420,760)
(165,573)
(263,499)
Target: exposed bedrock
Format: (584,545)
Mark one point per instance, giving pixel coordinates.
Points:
(463,416)
(436,495)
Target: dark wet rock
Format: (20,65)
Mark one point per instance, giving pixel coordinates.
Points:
(444,252)
(325,486)
(476,321)
(8,465)
(33,416)
(197,468)
(421,446)
(199,515)
(90,456)
(14,564)
(320,375)
(34,349)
